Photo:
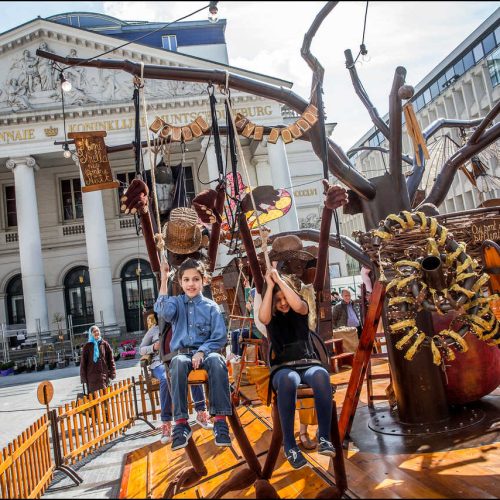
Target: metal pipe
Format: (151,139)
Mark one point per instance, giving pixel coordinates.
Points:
(395,139)
(432,271)
(338,162)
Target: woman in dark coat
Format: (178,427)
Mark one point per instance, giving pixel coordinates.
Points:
(97,366)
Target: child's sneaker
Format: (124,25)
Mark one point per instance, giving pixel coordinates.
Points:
(166,432)
(221,432)
(180,436)
(203,419)
(295,458)
(326,448)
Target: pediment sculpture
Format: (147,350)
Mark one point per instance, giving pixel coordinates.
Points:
(32,83)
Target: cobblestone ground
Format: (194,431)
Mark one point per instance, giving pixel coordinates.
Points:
(19,406)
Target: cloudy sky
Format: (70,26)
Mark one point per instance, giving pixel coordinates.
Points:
(266,37)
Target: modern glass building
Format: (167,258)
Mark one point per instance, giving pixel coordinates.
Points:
(464,86)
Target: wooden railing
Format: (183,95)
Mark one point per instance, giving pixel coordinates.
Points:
(89,423)
(26,464)
(73,431)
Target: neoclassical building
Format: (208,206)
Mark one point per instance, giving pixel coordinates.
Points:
(463,86)
(64,253)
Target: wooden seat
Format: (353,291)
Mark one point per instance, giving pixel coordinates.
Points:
(339,357)
(152,385)
(197,377)
(245,342)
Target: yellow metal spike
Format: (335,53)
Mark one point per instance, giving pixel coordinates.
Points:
(413,349)
(401,342)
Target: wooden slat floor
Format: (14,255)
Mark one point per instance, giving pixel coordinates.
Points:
(463,473)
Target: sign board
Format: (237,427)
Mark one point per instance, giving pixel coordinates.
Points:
(218,290)
(45,392)
(487,229)
(93,159)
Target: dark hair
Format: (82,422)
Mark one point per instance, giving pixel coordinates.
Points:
(192,264)
(289,281)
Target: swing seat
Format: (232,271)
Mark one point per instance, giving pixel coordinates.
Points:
(198,377)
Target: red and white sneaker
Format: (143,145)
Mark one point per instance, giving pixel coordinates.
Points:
(166,432)
(203,418)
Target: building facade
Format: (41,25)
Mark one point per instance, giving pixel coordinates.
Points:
(464,86)
(64,253)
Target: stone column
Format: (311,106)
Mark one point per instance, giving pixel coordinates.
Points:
(280,171)
(98,259)
(30,244)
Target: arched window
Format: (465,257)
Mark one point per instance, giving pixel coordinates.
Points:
(78,297)
(15,301)
(139,292)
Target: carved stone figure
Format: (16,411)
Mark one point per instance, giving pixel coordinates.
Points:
(29,66)
(76,74)
(17,98)
(46,70)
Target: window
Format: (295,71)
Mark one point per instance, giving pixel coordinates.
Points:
(434,90)
(334,270)
(427,96)
(442,82)
(419,102)
(10,206)
(494,67)
(15,301)
(489,43)
(71,194)
(468,61)
(124,178)
(138,290)
(169,42)
(497,35)
(78,298)
(459,68)
(478,52)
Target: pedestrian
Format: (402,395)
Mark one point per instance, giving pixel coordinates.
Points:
(97,366)
(198,336)
(293,361)
(335,297)
(150,345)
(345,313)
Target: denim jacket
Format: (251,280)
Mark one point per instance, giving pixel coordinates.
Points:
(196,322)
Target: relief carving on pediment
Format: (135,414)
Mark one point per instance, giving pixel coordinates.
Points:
(32,83)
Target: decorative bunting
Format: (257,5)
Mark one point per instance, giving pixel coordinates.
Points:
(244,126)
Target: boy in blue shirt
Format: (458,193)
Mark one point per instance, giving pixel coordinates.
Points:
(198,334)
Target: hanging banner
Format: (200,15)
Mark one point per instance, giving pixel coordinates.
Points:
(93,159)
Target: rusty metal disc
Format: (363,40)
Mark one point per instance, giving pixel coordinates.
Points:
(45,392)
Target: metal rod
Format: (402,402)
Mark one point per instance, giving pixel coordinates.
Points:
(432,271)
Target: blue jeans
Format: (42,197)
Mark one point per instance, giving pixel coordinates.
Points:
(236,347)
(286,382)
(218,384)
(166,399)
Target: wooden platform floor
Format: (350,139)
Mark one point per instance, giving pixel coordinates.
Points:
(470,472)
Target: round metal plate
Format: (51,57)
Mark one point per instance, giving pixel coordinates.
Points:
(385,422)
